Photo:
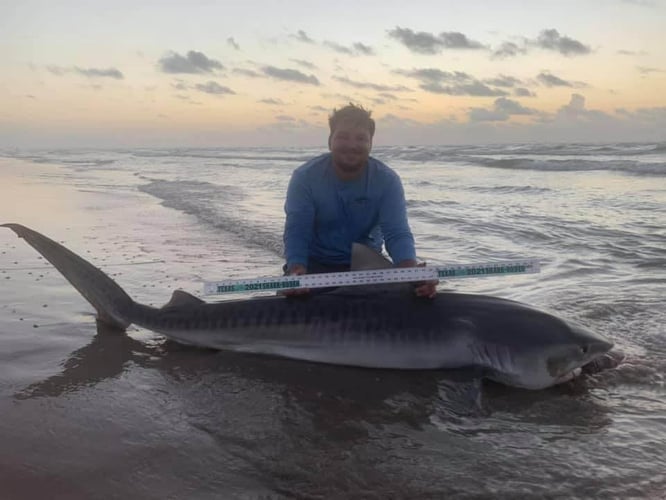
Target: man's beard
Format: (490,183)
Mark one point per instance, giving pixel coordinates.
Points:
(350,166)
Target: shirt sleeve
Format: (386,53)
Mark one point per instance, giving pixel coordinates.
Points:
(393,222)
(299,224)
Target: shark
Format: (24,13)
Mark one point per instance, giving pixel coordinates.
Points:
(375,327)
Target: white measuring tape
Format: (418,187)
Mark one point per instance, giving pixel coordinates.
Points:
(390,275)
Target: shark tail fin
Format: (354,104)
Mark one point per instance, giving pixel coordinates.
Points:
(109,300)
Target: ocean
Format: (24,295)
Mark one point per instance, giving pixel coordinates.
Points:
(89,413)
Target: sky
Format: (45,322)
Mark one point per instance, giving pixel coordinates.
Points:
(88,73)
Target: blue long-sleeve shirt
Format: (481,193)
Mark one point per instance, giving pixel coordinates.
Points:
(325,215)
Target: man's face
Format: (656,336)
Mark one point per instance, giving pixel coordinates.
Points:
(350,146)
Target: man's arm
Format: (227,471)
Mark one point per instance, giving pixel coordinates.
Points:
(393,222)
(300,212)
(298,228)
(398,237)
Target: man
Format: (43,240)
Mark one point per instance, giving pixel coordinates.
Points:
(343,197)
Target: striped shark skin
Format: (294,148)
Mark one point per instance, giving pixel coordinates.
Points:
(374,327)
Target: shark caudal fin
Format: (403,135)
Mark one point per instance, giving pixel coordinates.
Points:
(110,301)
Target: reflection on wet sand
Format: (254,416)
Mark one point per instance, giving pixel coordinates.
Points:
(300,429)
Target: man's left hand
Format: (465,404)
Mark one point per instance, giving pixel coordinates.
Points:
(424,288)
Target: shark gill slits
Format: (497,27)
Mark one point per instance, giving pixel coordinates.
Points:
(334,316)
(230,321)
(258,317)
(278,316)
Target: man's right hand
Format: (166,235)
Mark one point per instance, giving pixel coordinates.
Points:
(294,270)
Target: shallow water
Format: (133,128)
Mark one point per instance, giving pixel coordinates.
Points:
(90,414)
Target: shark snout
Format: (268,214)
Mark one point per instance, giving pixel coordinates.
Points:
(591,344)
(589,347)
(597,347)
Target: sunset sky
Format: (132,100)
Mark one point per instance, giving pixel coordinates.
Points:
(268,72)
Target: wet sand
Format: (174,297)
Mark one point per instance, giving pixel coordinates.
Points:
(84,414)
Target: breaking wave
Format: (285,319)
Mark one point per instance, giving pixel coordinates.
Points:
(216,205)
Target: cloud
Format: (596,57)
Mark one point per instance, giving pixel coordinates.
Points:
(427,43)
(523,92)
(214,88)
(194,62)
(305,64)
(455,40)
(486,115)
(434,75)
(421,42)
(272,102)
(473,89)
(88,72)
(550,80)
(650,115)
(392,120)
(286,127)
(388,97)
(502,110)
(247,72)
(575,107)
(452,83)
(371,86)
(356,49)
(508,49)
(503,81)
(644,70)
(338,48)
(512,107)
(57,70)
(179,85)
(361,48)
(209,87)
(291,75)
(551,39)
(233,43)
(302,36)
(632,53)
(575,110)
(188,99)
(102,73)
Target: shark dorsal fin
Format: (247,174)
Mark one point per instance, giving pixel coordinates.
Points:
(364,258)
(180,298)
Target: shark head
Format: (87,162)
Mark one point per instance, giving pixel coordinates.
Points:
(556,355)
(564,362)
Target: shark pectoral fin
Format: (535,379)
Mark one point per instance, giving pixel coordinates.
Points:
(180,298)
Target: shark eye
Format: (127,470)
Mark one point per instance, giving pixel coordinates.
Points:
(584,349)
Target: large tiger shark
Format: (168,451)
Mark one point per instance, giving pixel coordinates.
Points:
(379,327)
